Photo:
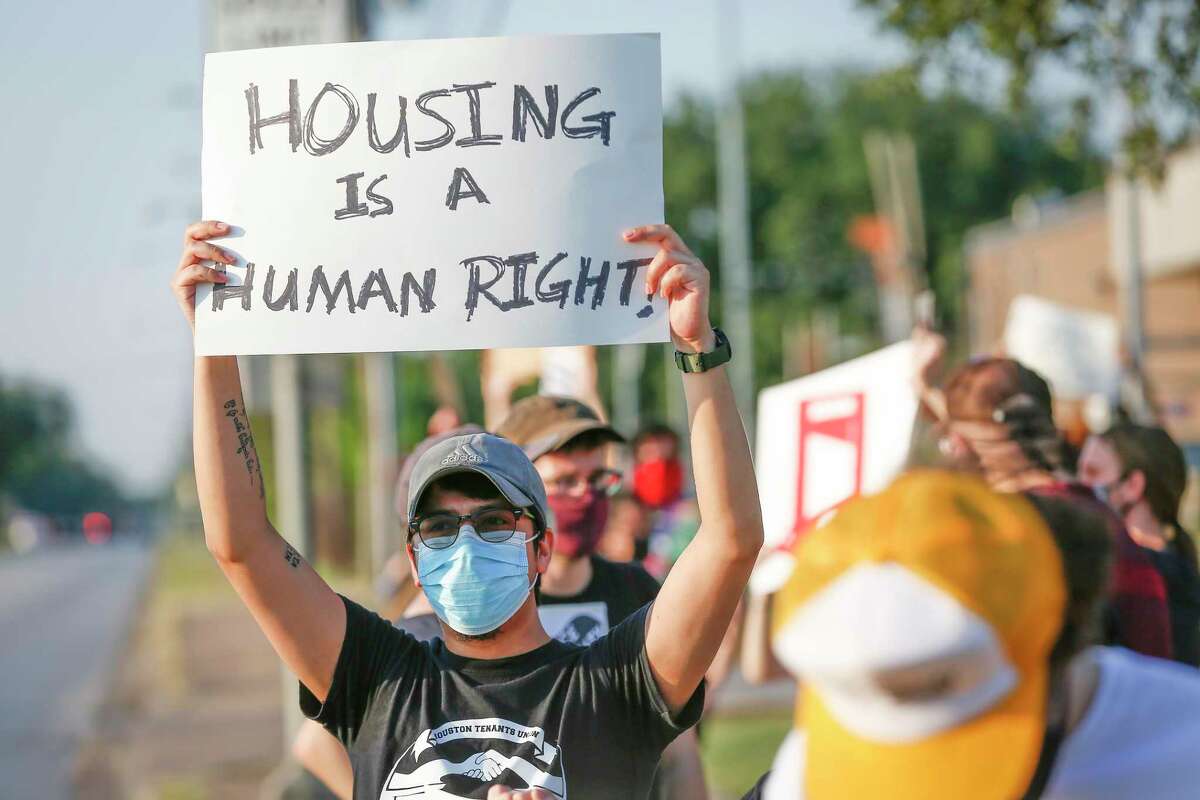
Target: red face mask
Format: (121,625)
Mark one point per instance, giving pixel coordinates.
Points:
(658,482)
(579,522)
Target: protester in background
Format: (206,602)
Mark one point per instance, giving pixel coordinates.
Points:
(627,529)
(583,595)
(1141,472)
(939,631)
(999,424)
(659,484)
(317,750)
(755,658)
(481,535)
(444,420)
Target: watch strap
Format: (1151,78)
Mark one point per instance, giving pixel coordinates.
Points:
(702,362)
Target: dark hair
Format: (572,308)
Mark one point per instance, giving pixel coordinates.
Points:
(474,486)
(588,440)
(468,484)
(979,387)
(1006,392)
(1086,547)
(655,430)
(1152,452)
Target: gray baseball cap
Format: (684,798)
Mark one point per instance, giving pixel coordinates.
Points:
(499,460)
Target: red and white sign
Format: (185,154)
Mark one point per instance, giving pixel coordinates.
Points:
(831,457)
(824,439)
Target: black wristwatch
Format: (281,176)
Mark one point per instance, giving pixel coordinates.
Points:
(702,362)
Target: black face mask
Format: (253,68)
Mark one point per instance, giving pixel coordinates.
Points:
(1105,493)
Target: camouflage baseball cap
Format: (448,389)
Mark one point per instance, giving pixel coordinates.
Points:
(543,423)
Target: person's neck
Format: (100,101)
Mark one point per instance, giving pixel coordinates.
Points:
(520,634)
(1020,481)
(1072,689)
(567,576)
(419,605)
(1145,529)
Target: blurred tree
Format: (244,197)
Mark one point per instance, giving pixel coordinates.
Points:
(32,422)
(37,468)
(1145,51)
(809,180)
(64,486)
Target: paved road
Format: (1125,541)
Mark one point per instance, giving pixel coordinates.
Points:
(64,615)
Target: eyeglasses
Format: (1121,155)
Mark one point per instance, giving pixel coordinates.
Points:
(438,531)
(603,481)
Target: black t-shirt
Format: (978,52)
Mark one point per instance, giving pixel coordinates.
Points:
(414,716)
(1183,602)
(422,627)
(615,591)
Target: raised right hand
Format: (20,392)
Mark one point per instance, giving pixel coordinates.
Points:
(929,352)
(191,273)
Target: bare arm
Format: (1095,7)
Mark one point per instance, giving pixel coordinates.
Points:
(324,756)
(757,661)
(929,352)
(300,615)
(698,599)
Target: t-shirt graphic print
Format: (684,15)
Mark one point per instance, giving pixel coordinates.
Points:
(615,591)
(457,759)
(575,623)
(420,721)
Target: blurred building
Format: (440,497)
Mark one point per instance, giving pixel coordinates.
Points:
(1073,251)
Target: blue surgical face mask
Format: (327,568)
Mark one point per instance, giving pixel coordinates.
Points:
(475,586)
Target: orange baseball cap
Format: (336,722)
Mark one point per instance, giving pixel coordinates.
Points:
(920,622)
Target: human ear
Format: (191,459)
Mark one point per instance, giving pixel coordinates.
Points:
(545,549)
(1137,485)
(412,563)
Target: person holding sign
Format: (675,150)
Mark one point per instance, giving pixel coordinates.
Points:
(496,702)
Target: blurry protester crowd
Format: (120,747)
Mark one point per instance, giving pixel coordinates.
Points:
(1015,617)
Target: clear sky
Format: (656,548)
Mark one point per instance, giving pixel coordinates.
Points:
(101,151)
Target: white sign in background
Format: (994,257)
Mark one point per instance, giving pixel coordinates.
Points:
(555,204)
(824,438)
(1077,351)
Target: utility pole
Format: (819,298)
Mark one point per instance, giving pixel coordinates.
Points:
(1135,392)
(898,261)
(734,206)
(379,378)
(628,362)
(287,427)
(1135,331)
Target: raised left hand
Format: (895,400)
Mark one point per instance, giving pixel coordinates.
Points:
(683,281)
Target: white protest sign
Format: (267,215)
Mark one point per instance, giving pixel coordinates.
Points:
(427,195)
(1076,351)
(825,438)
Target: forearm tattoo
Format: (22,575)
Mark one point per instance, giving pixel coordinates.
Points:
(291,556)
(245,441)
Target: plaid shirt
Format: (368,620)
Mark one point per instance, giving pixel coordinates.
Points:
(1138,615)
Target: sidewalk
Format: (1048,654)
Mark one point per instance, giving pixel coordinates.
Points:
(195,709)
